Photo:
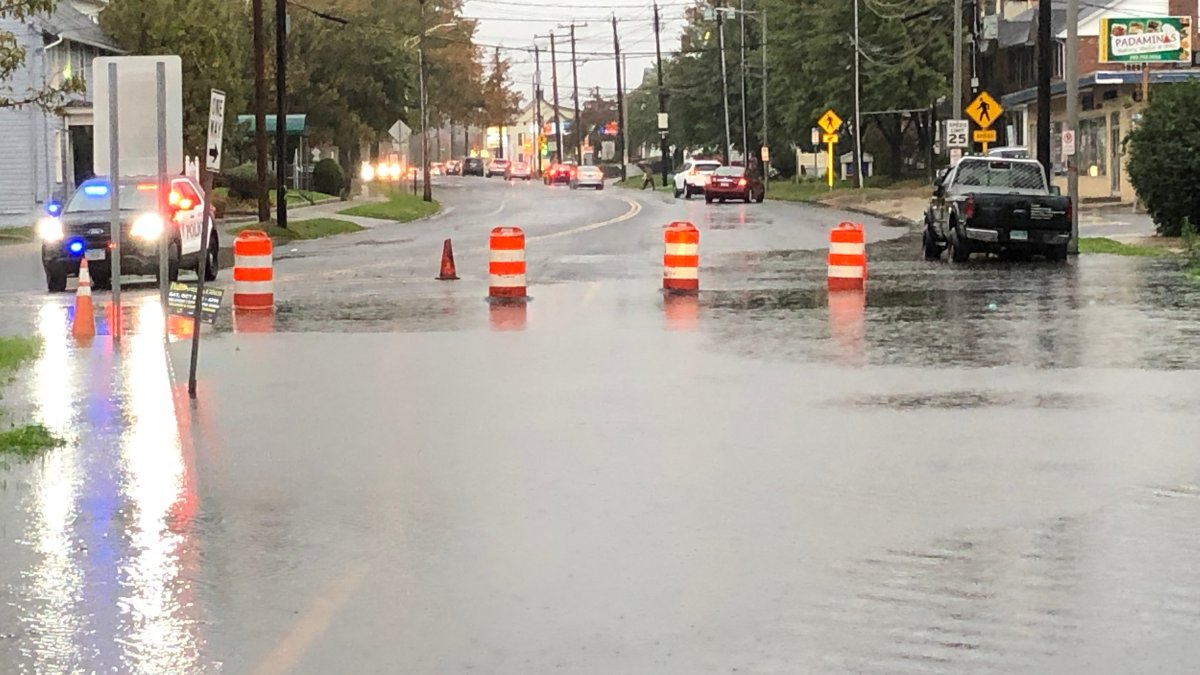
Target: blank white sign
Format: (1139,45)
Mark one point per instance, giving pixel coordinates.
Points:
(137,114)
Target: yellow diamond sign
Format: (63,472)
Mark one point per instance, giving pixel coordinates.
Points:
(984,110)
(830,121)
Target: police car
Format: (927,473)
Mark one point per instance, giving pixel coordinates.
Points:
(80,230)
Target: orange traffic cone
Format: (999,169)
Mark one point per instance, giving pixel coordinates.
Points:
(85,318)
(448,272)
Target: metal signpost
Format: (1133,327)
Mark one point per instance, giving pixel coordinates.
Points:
(114,199)
(830,123)
(213,145)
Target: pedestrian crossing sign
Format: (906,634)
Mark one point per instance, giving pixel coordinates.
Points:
(830,121)
(984,110)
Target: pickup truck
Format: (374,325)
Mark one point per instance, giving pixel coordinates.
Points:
(996,205)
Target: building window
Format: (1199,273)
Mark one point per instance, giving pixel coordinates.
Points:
(1060,60)
(1093,136)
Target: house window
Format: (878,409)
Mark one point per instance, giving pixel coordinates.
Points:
(1060,59)
(1093,136)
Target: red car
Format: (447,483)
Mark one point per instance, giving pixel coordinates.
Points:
(732,182)
(559,174)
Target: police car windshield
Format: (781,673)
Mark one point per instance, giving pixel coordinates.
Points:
(92,197)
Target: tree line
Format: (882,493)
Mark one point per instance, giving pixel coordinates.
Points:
(905,55)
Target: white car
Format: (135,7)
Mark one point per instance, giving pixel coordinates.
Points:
(588,176)
(693,176)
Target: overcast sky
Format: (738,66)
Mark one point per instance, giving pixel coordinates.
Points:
(515,24)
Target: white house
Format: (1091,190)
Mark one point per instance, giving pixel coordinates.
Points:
(522,137)
(46,154)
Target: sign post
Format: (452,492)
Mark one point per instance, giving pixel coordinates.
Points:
(830,123)
(985,110)
(216,129)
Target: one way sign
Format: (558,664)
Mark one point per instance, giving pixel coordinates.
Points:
(216,129)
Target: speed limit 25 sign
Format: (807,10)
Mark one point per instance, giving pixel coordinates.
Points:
(957,133)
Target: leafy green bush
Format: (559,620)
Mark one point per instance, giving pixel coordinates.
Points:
(1164,166)
(243,181)
(328,177)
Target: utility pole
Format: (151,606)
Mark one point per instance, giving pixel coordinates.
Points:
(858,159)
(260,112)
(957,107)
(662,96)
(281,113)
(427,185)
(620,98)
(1072,75)
(558,138)
(537,107)
(576,124)
(724,78)
(766,177)
(1045,55)
(742,64)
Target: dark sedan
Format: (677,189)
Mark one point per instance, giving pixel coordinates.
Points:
(733,182)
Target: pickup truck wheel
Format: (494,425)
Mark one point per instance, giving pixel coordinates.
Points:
(960,247)
(1056,253)
(678,193)
(930,248)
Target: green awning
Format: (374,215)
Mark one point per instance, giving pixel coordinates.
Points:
(296,125)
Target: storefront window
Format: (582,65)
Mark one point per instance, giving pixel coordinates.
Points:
(1093,137)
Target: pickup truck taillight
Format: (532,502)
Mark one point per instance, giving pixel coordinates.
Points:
(1070,210)
(969,207)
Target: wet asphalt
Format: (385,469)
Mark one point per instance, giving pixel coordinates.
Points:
(988,468)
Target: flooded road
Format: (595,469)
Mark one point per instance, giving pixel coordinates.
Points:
(968,469)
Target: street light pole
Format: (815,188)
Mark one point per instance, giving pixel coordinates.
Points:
(766,164)
(742,64)
(664,146)
(724,82)
(957,108)
(1072,76)
(858,132)
(281,113)
(427,187)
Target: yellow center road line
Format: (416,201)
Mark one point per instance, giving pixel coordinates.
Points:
(634,209)
(291,649)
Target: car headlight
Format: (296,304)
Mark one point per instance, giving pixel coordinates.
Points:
(50,229)
(148,226)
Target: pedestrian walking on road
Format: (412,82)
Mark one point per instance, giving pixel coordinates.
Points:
(647,175)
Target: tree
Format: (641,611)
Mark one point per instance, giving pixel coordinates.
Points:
(211,39)
(500,103)
(12,59)
(1163,166)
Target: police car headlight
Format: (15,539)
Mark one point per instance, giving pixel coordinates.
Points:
(50,229)
(147,227)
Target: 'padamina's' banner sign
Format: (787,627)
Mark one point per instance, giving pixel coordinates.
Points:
(1158,39)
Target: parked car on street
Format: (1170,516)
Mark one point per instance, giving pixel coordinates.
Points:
(82,232)
(588,176)
(474,166)
(693,176)
(519,171)
(992,205)
(733,182)
(497,167)
(454,168)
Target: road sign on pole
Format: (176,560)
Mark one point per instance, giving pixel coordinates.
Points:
(816,136)
(956,133)
(830,121)
(1068,142)
(137,92)
(984,110)
(216,129)
(984,137)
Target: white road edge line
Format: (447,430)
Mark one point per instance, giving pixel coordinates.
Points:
(503,203)
(634,209)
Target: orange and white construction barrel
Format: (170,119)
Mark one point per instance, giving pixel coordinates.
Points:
(847,258)
(507,265)
(253,275)
(681,259)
